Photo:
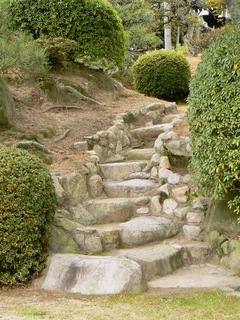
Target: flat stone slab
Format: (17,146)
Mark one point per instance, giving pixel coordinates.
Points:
(130,188)
(141,230)
(109,210)
(155,260)
(90,275)
(199,276)
(119,170)
(139,154)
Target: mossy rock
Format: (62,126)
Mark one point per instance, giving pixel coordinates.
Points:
(62,234)
(232,260)
(178,161)
(221,218)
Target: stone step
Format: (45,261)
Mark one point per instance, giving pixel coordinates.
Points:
(142,230)
(138,154)
(147,135)
(197,276)
(110,210)
(109,234)
(136,232)
(130,188)
(121,170)
(155,260)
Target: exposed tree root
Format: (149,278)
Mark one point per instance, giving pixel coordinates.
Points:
(80,95)
(54,108)
(31,145)
(63,136)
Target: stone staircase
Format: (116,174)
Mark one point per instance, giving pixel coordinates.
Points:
(134,199)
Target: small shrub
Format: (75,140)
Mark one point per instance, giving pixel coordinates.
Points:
(213,118)
(27,206)
(182,49)
(162,74)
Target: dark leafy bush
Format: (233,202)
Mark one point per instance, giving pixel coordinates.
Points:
(27,206)
(162,74)
(214,118)
(94,24)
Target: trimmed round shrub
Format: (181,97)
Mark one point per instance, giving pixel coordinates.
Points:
(27,206)
(94,24)
(213,117)
(162,74)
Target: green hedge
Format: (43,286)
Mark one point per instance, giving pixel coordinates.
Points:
(162,74)
(94,24)
(214,118)
(27,206)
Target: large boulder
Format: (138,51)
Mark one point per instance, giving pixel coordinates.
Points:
(6,104)
(94,275)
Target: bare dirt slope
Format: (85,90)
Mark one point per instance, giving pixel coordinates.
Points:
(53,112)
(54,117)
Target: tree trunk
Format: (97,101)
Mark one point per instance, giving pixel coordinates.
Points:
(167,28)
(178,36)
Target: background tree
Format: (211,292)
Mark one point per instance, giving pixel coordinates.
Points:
(233,7)
(175,15)
(94,24)
(139,22)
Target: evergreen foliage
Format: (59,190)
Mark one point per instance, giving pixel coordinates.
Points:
(162,74)
(140,24)
(27,206)
(94,24)
(22,57)
(214,118)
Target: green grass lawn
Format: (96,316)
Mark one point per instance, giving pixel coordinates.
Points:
(33,304)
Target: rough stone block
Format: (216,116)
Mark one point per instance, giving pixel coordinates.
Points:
(92,275)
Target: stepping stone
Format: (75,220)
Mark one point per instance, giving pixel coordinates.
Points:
(139,154)
(109,210)
(155,260)
(118,171)
(130,188)
(141,230)
(94,275)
